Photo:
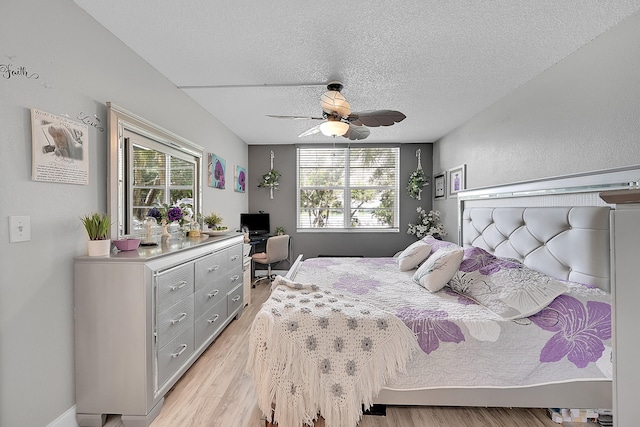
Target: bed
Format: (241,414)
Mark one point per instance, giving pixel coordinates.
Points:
(467,349)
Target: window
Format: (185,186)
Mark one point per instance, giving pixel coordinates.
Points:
(159,175)
(353,188)
(148,166)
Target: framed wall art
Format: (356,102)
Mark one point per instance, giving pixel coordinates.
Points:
(457,179)
(440,185)
(240,179)
(59,149)
(216,171)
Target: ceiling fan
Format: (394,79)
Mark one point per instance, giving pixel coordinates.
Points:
(340,121)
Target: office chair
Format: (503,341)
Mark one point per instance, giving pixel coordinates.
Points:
(277,250)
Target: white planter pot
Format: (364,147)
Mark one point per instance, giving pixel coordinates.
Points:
(98,247)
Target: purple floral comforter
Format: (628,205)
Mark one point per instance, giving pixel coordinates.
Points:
(464,344)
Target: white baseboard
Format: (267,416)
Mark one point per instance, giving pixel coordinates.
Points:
(68,419)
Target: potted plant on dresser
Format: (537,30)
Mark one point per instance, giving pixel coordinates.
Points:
(97,226)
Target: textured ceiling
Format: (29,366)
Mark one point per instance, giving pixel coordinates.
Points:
(438,62)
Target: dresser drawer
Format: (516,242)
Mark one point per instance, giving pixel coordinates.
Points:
(234,299)
(210,268)
(211,294)
(174,285)
(234,277)
(173,321)
(211,322)
(234,256)
(173,356)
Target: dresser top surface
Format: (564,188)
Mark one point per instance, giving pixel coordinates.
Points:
(187,247)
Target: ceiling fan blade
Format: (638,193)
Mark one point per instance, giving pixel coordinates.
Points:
(376,118)
(356,132)
(295,117)
(311,131)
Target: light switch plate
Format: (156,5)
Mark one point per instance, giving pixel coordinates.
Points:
(19,229)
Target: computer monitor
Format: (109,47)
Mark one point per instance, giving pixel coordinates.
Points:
(257,223)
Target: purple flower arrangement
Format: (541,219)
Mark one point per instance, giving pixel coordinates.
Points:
(182,213)
(155,213)
(174,214)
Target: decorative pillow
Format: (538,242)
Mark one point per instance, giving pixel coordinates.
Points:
(507,288)
(438,269)
(437,244)
(413,255)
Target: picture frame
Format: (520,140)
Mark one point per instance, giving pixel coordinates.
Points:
(217,167)
(240,179)
(59,149)
(440,186)
(457,179)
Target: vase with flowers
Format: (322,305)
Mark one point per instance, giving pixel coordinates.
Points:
(177,220)
(428,224)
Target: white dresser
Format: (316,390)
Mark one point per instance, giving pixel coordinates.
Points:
(625,292)
(143,317)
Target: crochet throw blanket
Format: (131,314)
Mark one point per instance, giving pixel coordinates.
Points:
(314,352)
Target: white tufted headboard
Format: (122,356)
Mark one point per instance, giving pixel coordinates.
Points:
(568,243)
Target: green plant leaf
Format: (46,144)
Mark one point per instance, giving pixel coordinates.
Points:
(97,225)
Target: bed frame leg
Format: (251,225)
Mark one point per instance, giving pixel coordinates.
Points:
(377,410)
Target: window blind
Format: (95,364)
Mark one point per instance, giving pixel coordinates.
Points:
(348,188)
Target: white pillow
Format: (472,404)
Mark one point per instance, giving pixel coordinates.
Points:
(415,253)
(439,268)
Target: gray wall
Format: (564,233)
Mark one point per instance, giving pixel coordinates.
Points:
(80,67)
(282,208)
(581,115)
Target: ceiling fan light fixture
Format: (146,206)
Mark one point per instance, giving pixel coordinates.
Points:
(341,122)
(333,101)
(334,128)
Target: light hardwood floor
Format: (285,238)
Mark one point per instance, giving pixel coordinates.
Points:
(216,392)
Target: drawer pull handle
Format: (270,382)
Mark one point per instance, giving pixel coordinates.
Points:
(180,285)
(236,298)
(213,268)
(213,294)
(234,278)
(235,257)
(213,319)
(179,318)
(183,347)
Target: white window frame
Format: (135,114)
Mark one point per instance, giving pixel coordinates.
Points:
(133,140)
(347,227)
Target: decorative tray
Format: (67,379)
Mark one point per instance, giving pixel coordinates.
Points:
(216,232)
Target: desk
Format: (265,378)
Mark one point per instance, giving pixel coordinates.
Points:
(258,242)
